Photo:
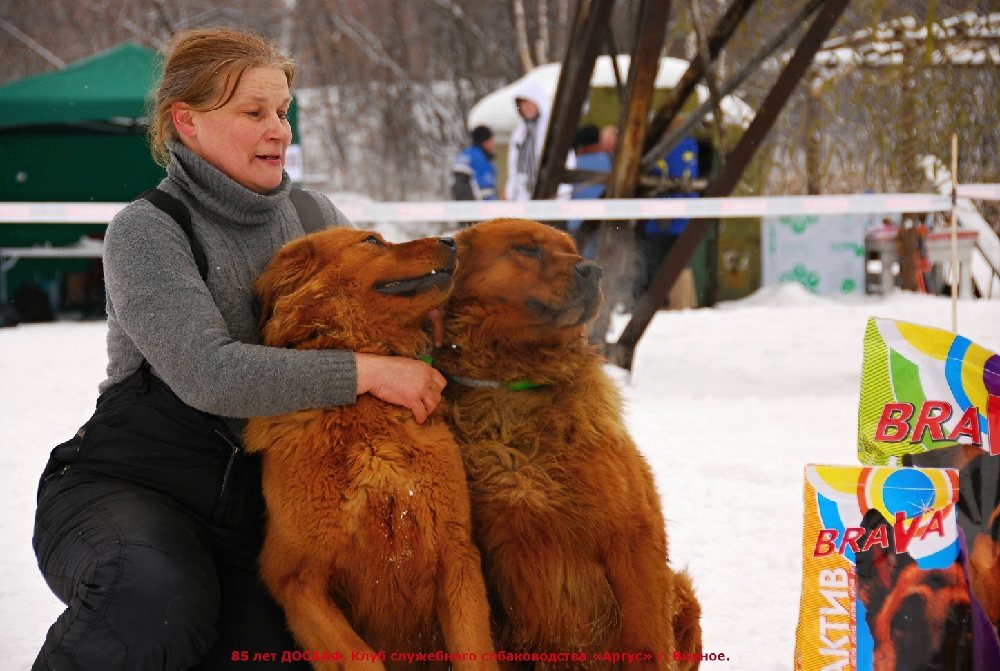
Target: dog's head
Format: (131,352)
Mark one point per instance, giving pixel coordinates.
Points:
(524,282)
(919,619)
(343,288)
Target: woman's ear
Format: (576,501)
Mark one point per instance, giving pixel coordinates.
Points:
(183,118)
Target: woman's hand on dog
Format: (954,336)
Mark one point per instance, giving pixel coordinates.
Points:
(400,381)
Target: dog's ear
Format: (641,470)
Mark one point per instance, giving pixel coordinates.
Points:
(879,566)
(288,270)
(464,241)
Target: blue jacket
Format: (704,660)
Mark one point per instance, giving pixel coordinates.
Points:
(681,162)
(474,163)
(598,161)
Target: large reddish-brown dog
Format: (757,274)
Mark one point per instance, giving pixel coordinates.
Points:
(368,544)
(565,511)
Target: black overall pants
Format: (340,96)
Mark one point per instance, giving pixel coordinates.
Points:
(148,527)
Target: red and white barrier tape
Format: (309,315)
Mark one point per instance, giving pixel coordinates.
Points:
(558,210)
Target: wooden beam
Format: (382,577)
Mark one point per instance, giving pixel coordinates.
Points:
(615,247)
(589,31)
(651,33)
(680,254)
(685,87)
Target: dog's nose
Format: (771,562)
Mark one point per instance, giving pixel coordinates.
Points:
(447,242)
(588,270)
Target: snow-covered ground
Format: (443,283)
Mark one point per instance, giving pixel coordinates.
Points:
(727,404)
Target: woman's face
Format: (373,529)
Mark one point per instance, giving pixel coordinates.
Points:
(247,137)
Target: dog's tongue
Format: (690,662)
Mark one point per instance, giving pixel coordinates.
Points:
(415,284)
(436,318)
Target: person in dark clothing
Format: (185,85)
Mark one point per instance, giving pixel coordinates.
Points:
(590,155)
(150,518)
(473,174)
(655,238)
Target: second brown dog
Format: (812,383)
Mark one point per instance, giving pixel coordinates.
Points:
(564,507)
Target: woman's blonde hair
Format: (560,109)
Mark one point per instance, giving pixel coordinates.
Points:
(203,68)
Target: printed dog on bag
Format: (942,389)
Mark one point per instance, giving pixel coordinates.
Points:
(931,399)
(978,515)
(368,542)
(918,618)
(880,595)
(565,511)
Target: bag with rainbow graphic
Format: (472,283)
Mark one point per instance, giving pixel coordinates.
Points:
(883,585)
(931,399)
(924,389)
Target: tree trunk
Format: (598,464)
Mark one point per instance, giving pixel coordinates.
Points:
(542,46)
(522,36)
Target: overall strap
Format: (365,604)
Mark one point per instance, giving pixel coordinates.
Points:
(305,206)
(178,212)
(308,210)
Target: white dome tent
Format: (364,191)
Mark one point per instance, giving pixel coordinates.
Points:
(497,110)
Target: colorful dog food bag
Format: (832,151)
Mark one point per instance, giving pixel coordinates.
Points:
(883,585)
(930,398)
(923,389)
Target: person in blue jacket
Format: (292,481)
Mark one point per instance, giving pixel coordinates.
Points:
(655,238)
(590,155)
(475,178)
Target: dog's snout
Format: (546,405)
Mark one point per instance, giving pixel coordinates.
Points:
(588,270)
(447,242)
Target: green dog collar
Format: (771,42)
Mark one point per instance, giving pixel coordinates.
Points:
(518,385)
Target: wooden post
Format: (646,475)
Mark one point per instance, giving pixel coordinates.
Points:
(615,246)
(909,253)
(590,25)
(622,352)
(954,233)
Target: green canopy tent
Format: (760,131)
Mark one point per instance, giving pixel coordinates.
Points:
(111,84)
(75,135)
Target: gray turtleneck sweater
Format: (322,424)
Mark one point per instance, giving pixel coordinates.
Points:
(200,337)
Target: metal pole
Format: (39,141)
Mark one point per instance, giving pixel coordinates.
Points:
(954,233)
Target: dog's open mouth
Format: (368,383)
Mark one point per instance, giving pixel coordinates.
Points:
(413,286)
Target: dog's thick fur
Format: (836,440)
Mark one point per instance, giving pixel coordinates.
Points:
(368,543)
(918,618)
(565,511)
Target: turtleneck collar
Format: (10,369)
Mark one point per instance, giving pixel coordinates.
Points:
(219,194)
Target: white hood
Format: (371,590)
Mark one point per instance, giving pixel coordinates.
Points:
(532,90)
(497,109)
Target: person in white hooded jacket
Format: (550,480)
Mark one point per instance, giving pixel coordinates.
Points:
(526,141)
